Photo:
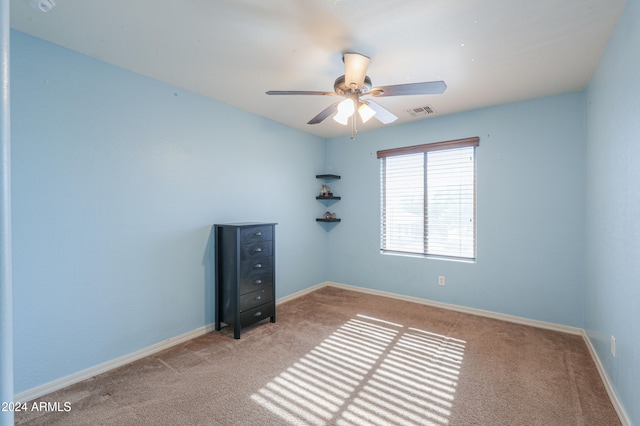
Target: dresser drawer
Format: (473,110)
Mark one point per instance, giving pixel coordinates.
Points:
(256,234)
(251,267)
(256,281)
(255,250)
(255,298)
(256,314)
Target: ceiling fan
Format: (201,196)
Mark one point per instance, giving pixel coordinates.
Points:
(354,85)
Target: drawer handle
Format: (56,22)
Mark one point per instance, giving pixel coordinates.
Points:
(257,250)
(258,233)
(257,314)
(257,266)
(257,282)
(258,297)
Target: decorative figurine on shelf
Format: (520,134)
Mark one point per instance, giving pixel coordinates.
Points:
(329,215)
(324,192)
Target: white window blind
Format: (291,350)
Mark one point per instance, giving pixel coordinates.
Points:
(428,199)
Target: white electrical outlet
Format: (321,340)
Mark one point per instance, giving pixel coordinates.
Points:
(441,280)
(613,346)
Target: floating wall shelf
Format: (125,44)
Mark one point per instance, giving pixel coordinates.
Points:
(328,177)
(329,197)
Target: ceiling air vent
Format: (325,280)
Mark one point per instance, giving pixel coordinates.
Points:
(423,111)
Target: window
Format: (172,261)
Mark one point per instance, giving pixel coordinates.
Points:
(428,199)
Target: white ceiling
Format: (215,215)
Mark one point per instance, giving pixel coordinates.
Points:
(489,52)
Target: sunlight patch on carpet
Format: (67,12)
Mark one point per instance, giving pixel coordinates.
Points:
(369,372)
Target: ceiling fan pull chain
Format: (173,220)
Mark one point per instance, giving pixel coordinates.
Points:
(354,117)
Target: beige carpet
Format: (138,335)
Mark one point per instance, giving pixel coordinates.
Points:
(338,357)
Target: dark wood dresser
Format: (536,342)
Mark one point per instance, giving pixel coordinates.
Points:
(244,274)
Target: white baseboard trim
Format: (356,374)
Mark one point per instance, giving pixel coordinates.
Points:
(63,382)
(464,309)
(301,292)
(624,419)
(622,414)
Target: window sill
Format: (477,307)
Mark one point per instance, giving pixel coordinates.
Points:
(429,256)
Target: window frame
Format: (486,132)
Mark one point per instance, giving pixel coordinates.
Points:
(422,149)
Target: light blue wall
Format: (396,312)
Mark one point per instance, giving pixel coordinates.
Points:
(6,281)
(117,179)
(530,218)
(613,209)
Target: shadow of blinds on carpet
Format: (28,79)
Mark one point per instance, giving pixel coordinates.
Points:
(369,371)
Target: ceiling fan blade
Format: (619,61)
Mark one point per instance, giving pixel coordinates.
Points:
(383,115)
(300,92)
(355,69)
(425,88)
(324,114)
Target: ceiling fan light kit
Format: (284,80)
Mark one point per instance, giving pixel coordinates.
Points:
(365,111)
(345,110)
(354,84)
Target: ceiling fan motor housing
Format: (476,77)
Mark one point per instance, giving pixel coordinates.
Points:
(342,89)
